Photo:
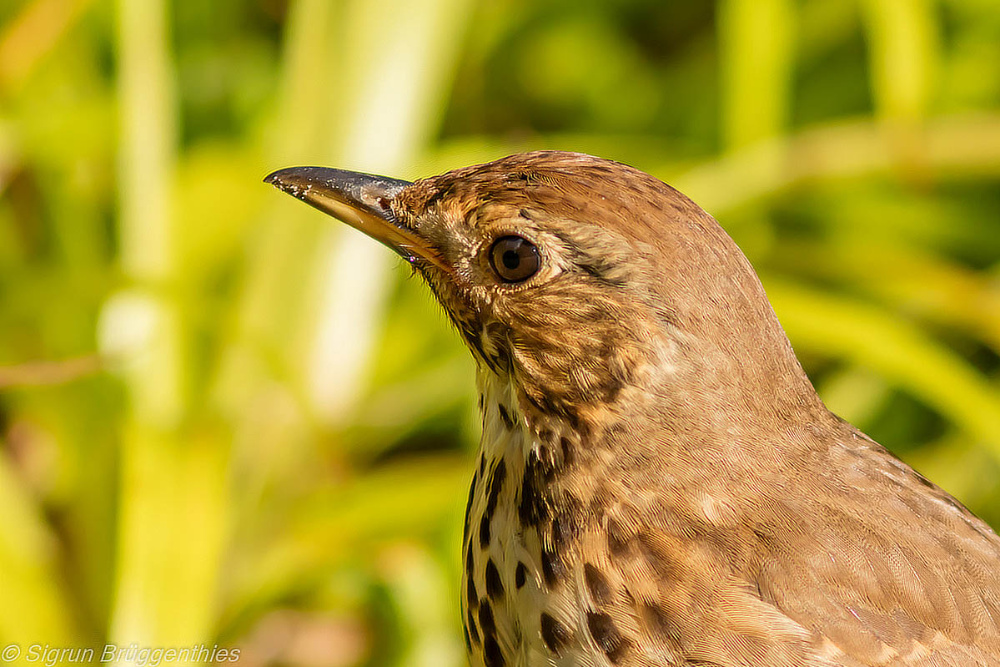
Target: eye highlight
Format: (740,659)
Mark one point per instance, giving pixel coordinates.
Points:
(514,259)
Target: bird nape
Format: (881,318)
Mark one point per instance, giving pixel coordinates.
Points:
(658,482)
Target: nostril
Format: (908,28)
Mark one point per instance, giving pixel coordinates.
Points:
(384,204)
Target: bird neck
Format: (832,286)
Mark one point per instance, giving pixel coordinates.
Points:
(672,412)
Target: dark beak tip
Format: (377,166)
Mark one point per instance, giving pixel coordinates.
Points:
(349,186)
(295,181)
(280,178)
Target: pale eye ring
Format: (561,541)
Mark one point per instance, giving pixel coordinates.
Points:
(514,259)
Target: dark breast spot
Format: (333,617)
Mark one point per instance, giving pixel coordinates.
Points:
(532,509)
(505,416)
(552,567)
(619,539)
(606,635)
(567,451)
(497,478)
(470,627)
(520,575)
(468,504)
(554,558)
(554,634)
(597,584)
(486,622)
(492,655)
(484,531)
(563,526)
(471,595)
(494,587)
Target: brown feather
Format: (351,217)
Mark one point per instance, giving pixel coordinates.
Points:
(661,484)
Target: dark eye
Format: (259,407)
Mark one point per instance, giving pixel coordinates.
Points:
(514,259)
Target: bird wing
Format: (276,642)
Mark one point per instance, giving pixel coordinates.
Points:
(885,567)
(868,564)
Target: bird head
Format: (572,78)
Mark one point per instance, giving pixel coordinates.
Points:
(584,283)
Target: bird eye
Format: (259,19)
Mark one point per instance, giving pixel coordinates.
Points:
(514,259)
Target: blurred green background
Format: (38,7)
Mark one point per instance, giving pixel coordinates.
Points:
(224,419)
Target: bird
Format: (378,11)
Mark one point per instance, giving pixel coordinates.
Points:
(658,482)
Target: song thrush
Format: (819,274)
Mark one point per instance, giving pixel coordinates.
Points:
(658,482)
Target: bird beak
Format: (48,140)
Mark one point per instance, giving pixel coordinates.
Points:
(363,201)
